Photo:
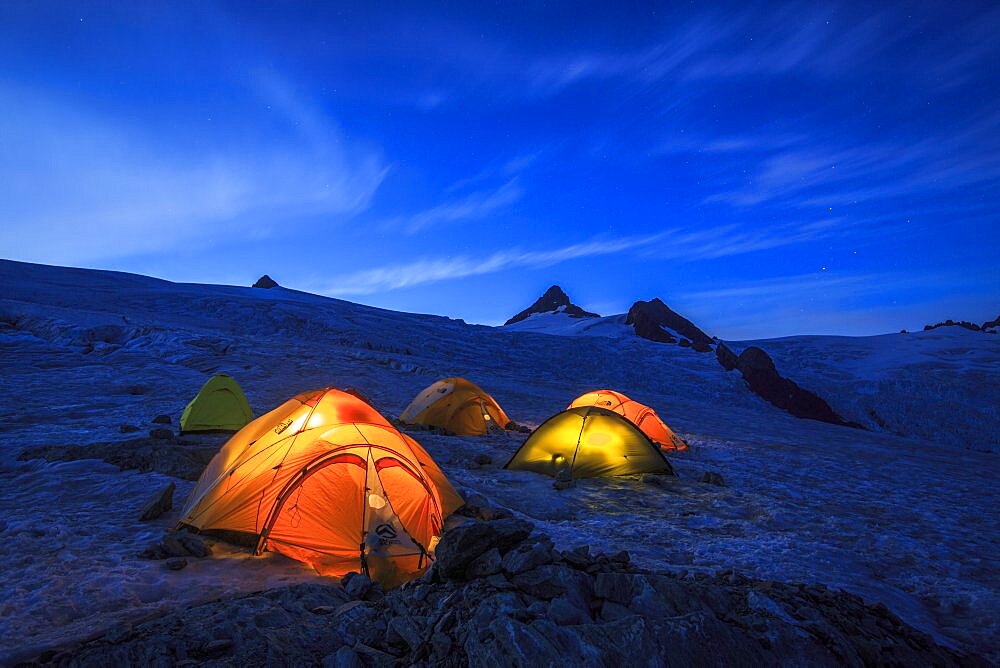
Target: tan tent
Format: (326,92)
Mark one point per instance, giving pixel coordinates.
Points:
(590,442)
(458,406)
(325,479)
(642,416)
(220,405)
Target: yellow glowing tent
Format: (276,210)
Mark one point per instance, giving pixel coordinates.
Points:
(590,442)
(642,416)
(220,405)
(325,479)
(456,405)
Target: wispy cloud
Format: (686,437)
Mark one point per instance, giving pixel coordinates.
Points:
(474,206)
(672,244)
(807,174)
(425,271)
(79,187)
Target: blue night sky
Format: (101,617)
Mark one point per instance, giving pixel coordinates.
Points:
(766,170)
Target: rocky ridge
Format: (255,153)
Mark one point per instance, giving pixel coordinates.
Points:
(501,594)
(656,321)
(763,379)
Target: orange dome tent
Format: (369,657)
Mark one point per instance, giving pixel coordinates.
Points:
(638,414)
(459,406)
(325,479)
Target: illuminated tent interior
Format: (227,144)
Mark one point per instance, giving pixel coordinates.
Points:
(642,416)
(456,405)
(325,479)
(591,442)
(220,405)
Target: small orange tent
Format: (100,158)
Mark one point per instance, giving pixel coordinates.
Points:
(638,414)
(458,405)
(325,479)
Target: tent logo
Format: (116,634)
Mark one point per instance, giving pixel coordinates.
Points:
(283,425)
(385,532)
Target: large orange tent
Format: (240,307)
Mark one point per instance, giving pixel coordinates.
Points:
(638,414)
(325,479)
(457,405)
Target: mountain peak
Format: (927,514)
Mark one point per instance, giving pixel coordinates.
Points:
(265,281)
(656,321)
(554,299)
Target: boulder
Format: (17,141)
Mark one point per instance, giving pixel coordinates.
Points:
(127,428)
(176,563)
(460,546)
(357,585)
(265,282)
(712,478)
(528,555)
(553,300)
(483,460)
(160,502)
(345,657)
(161,419)
(486,564)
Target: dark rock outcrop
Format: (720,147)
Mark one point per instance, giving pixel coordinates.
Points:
(951,323)
(265,281)
(553,299)
(991,324)
(536,606)
(650,318)
(763,379)
(161,502)
(185,458)
(727,358)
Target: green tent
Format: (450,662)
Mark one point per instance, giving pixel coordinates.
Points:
(219,406)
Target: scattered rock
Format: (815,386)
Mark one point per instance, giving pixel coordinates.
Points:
(483,460)
(345,657)
(265,282)
(578,609)
(656,479)
(127,428)
(176,563)
(529,555)
(184,459)
(488,563)
(194,545)
(161,502)
(161,434)
(712,478)
(161,419)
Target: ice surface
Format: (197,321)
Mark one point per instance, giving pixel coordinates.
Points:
(910,522)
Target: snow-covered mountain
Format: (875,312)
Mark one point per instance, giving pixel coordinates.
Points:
(553,301)
(906,520)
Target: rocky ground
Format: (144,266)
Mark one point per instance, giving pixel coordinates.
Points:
(501,594)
